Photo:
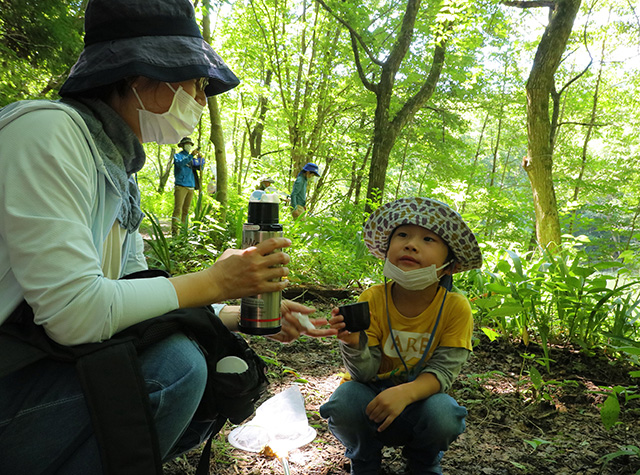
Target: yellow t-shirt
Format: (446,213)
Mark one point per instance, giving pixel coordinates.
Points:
(412,334)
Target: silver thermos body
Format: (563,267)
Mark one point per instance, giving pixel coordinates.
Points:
(260,314)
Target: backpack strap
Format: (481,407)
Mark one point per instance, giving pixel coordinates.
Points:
(118,402)
(205,456)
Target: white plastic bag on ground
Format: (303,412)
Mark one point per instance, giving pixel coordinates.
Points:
(280,422)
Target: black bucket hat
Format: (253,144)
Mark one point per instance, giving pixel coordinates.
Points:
(184,141)
(157,39)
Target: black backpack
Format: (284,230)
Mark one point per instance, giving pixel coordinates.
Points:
(115,390)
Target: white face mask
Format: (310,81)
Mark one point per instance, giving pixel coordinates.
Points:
(187,148)
(416,279)
(179,121)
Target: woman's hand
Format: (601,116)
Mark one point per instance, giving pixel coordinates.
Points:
(337,323)
(292,327)
(237,273)
(255,270)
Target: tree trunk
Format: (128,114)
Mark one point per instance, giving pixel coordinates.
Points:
(217,136)
(165,169)
(217,139)
(539,161)
(386,131)
(255,137)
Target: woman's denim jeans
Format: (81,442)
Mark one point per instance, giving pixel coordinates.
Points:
(425,428)
(45,425)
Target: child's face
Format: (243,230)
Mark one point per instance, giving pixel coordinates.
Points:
(412,247)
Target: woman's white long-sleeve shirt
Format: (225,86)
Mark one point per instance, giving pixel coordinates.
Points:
(58,206)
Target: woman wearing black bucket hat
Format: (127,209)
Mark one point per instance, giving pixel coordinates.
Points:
(69,232)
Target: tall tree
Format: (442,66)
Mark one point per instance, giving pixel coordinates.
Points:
(295,47)
(217,135)
(541,131)
(387,126)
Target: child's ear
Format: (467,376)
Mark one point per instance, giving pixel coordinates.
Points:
(452,268)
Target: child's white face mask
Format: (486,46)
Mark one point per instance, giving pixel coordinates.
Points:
(170,127)
(416,279)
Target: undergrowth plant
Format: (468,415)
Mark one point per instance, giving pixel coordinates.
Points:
(558,297)
(329,252)
(561,298)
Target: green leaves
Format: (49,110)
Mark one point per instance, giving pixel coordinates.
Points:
(560,298)
(610,411)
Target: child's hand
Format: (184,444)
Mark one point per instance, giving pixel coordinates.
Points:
(388,405)
(337,323)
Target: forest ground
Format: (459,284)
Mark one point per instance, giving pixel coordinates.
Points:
(511,429)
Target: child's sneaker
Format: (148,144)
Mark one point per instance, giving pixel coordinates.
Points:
(420,467)
(365,467)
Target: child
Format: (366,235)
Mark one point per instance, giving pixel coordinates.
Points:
(419,338)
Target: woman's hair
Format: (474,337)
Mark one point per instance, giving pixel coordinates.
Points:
(105,92)
(119,88)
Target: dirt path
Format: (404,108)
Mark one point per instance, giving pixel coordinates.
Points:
(511,428)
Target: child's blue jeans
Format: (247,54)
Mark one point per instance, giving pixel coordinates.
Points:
(45,424)
(425,428)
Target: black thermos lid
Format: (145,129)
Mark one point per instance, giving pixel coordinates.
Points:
(263,212)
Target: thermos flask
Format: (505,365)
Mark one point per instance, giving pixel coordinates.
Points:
(260,314)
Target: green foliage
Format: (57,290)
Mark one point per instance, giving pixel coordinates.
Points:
(611,408)
(610,411)
(557,298)
(328,251)
(625,451)
(196,246)
(160,256)
(537,442)
(39,42)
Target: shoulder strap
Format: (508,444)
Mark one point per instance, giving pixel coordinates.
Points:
(119,406)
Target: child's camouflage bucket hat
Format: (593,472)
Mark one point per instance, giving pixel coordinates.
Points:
(430,214)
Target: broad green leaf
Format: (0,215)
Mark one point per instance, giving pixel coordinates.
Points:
(610,411)
(499,289)
(506,310)
(536,378)
(491,333)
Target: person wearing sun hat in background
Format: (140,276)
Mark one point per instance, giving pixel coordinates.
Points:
(420,336)
(299,191)
(69,233)
(266,184)
(185,167)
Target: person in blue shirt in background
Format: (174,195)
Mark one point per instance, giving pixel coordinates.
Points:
(299,191)
(185,167)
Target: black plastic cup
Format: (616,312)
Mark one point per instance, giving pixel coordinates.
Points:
(356,316)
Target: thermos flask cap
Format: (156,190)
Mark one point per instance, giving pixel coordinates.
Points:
(263,208)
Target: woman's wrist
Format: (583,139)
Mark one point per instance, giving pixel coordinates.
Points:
(197,289)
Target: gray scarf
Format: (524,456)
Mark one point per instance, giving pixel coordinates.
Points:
(121,152)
